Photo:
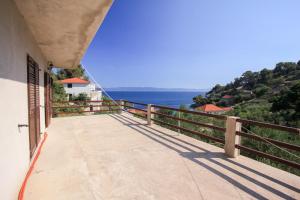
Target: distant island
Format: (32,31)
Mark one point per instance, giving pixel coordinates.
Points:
(154,89)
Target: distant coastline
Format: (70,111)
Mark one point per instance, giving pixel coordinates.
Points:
(153,89)
(166,98)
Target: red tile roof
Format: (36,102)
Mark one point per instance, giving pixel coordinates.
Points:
(74,80)
(227,97)
(212,108)
(209,108)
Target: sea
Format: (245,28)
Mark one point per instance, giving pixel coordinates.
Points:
(172,99)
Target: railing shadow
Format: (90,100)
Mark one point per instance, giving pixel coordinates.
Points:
(193,155)
(233,162)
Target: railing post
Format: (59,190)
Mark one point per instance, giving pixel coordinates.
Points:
(179,122)
(231,138)
(149,114)
(122,103)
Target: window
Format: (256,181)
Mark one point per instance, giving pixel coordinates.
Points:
(69,85)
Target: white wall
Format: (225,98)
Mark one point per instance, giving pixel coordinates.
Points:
(89,89)
(77,89)
(96,95)
(16,42)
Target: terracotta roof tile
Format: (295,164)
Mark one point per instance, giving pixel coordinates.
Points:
(74,80)
(227,97)
(212,108)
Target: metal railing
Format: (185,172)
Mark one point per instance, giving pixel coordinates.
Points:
(206,125)
(287,147)
(79,107)
(131,105)
(233,134)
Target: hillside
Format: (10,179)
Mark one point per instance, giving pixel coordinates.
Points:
(267,95)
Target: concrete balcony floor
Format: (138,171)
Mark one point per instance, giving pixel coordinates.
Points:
(120,157)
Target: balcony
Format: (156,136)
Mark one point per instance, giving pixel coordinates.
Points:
(119,156)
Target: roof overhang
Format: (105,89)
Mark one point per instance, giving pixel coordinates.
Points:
(63,29)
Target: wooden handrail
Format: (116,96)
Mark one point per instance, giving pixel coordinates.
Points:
(191,131)
(269,156)
(142,104)
(136,108)
(87,101)
(276,142)
(268,125)
(192,122)
(84,111)
(85,106)
(222,117)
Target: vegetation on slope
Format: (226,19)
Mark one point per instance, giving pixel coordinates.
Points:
(269,95)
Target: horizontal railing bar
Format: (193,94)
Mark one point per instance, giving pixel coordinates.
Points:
(84,111)
(268,125)
(192,112)
(269,156)
(143,104)
(135,108)
(192,122)
(278,143)
(137,114)
(191,131)
(87,101)
(85,106)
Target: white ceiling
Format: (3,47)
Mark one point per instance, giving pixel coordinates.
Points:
(63,29)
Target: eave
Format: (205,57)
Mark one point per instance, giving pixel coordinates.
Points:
(63,29)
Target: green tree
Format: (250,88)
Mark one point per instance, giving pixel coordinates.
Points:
(284,68)
(249,79)
(265,76)
(217,88)
(261,90)
(81,97)
(288,105)
(71,73)
(199,100)
(59,93)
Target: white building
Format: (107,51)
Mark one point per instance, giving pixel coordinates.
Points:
(75,86)
(35,35)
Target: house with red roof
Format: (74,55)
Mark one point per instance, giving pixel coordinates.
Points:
(226,100)
(76,86)
(211,108)
(227,97)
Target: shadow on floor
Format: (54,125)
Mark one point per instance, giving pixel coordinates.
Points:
(192,155)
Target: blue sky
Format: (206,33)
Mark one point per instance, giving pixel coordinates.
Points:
(191,43)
